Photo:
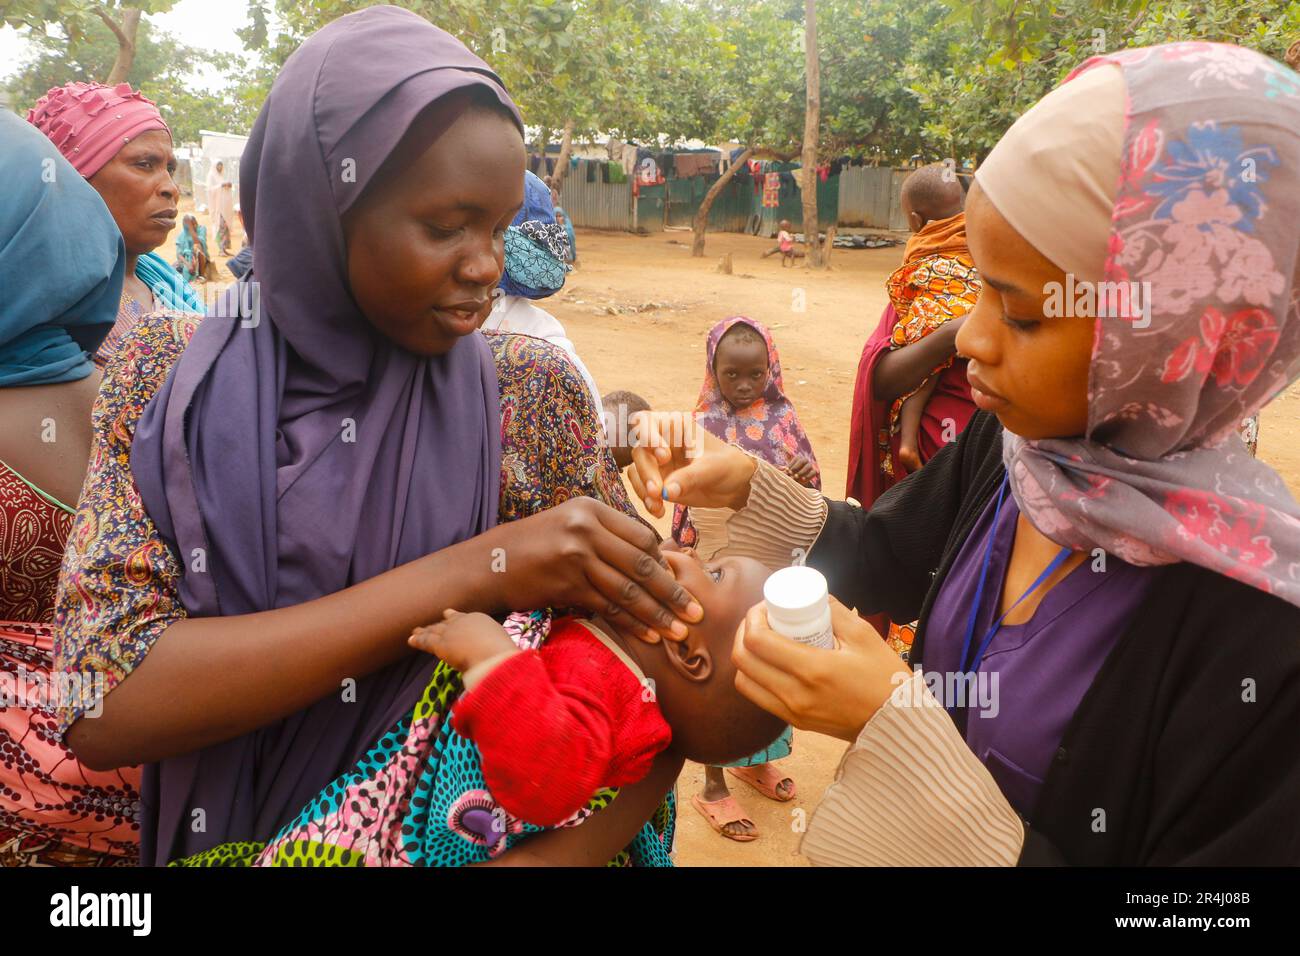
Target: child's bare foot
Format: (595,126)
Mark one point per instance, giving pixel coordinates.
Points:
(907,454)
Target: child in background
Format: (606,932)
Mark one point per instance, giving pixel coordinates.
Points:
(785,241)
(525,725)
(743,402)
(936,283)
(619,407)
(562,218)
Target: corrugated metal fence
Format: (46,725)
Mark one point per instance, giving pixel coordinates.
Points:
(869,197)
(860,195)
(596,205)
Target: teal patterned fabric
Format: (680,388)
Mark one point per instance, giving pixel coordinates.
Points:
(418,798)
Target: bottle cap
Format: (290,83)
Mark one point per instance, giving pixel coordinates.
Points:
(797,595)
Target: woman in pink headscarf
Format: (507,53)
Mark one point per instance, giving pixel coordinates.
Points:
(117,140)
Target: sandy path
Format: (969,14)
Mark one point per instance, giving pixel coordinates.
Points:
(659,353)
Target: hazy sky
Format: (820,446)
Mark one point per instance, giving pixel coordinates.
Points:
(203,24)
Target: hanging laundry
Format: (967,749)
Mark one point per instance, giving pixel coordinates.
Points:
(823,173)
(772,191)
(614,173)
(591,171)
(694,164)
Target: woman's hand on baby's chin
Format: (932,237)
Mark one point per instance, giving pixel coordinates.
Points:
(697,468)
(833,692)
(583,553)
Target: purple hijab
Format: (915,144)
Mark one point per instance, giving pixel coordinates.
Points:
(297,452)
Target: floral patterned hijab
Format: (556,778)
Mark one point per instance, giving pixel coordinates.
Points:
(1207,218)
(768,429)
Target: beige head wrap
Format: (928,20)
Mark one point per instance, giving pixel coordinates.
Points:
(1055,173)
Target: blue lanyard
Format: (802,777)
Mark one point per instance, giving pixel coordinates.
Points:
(979,593)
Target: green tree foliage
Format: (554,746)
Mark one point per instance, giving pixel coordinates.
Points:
(75,18)
(120,17)
(162,70)
(869,53)
(899,78)
(1006,54)
(602,64)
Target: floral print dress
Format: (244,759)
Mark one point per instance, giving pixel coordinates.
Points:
(119,588)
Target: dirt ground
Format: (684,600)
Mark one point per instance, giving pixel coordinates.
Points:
(638,309)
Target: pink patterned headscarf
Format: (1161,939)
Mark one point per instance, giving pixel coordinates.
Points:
(768,429)
(90,122)
(1207,218)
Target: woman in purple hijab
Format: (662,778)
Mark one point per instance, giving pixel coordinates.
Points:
(323,467)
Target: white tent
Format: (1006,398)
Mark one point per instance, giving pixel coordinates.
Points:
(226,147)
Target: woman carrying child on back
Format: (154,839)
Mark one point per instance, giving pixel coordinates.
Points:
(743,402)
(936,283)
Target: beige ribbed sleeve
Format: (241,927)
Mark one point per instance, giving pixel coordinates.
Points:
(779,523)
(909,792)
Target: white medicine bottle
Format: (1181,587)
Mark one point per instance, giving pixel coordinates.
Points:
(798,605)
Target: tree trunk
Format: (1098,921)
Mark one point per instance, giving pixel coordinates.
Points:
(811,124)
(829,246)
(125,34)
(562,162)
(543,140)
(702,214)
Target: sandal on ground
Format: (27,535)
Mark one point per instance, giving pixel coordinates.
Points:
(719,813)
(765,779)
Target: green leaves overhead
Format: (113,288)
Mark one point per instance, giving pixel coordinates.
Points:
(160,70)
(899,78)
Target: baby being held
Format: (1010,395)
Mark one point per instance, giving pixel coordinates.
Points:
(591,708)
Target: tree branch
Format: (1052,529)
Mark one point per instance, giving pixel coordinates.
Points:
(112,25)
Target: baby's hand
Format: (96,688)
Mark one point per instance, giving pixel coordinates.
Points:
(465,641)
(802,471)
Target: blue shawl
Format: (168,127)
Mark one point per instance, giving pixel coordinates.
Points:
(61,262)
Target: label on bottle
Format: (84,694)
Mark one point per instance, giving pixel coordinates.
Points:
(823,638)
